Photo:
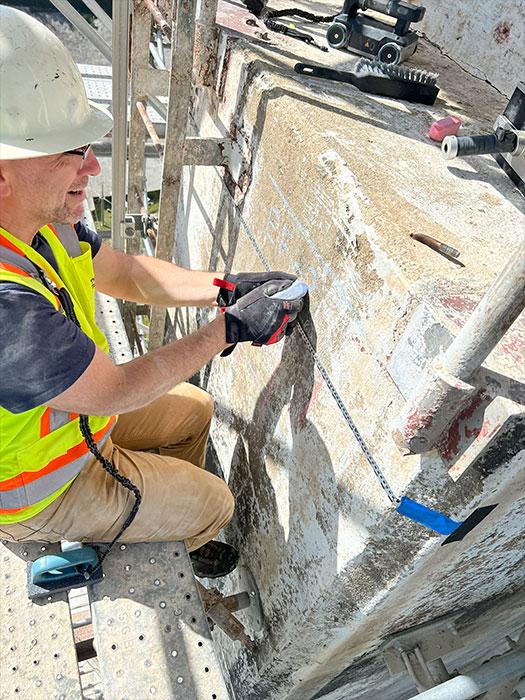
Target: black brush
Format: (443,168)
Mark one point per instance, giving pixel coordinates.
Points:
(403,83)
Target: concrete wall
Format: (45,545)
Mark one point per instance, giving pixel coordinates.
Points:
(486,38)
(333,183)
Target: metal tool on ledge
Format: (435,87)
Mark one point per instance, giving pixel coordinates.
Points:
(360,33)
(507,143)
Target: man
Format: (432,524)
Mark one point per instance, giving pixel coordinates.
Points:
(62,449)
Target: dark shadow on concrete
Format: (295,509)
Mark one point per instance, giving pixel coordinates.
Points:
(484,172)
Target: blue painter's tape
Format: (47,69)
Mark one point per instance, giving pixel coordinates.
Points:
(426,516)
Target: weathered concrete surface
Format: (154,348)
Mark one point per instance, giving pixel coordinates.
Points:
(336,181)
(486,38)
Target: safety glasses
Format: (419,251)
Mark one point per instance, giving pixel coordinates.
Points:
(80,151)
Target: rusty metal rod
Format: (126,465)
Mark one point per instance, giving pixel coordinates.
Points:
(237,601)
(150,128)
(159,19)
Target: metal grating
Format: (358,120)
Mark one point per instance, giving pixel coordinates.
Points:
(109,320)
(37,651)
(97,81)
(151,633)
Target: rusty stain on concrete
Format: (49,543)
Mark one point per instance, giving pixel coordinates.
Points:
(501,32)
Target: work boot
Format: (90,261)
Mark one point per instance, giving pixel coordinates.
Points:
(214,559)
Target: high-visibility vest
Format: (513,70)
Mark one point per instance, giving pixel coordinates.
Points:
(42,450)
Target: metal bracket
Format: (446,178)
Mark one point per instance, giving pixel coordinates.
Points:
(129,226)
(219,609)
(504,125)
(432,640)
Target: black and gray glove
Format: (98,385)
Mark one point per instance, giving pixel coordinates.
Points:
(233,287)
(258,318)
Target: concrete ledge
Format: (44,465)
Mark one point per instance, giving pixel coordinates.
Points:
(336,183)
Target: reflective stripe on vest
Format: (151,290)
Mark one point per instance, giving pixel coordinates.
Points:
(42,450)
(28,488)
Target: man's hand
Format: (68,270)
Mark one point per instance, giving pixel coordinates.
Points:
(233,287)
(259,318)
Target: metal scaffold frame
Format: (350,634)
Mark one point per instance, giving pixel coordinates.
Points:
(148,83)
(180,661)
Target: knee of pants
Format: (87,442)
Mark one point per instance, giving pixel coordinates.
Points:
(226,507)
(206,405)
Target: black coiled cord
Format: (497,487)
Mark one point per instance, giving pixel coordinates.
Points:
(85,429)
(112,471)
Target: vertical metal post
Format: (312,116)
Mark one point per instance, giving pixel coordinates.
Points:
(206,44)
(120,38)
(140,36)
(176,127)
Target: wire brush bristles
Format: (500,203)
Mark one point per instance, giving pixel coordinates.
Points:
(416,75)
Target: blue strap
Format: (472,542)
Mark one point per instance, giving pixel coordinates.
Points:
(426,516)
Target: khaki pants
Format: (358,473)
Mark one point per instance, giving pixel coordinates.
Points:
(180,500)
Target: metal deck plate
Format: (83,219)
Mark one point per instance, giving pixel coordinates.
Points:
(37,651)
(152,637)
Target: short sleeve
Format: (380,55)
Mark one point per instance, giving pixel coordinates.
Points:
(86,234)
(42,353)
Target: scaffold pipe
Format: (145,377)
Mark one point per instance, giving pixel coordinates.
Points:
(481,679)
(444,390)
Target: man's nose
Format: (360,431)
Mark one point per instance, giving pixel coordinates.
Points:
(90,166)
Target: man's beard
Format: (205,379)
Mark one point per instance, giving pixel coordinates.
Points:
(65,215)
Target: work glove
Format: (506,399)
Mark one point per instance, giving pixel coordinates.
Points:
(233,287)
(258,318)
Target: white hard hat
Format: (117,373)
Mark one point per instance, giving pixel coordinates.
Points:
(43,104)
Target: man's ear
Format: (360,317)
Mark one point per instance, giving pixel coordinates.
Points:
(5,187)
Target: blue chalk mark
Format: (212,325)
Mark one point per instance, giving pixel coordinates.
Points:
(432,519)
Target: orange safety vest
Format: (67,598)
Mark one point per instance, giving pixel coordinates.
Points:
(42,450)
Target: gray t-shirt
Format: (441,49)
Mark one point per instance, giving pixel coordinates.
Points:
(42,352)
